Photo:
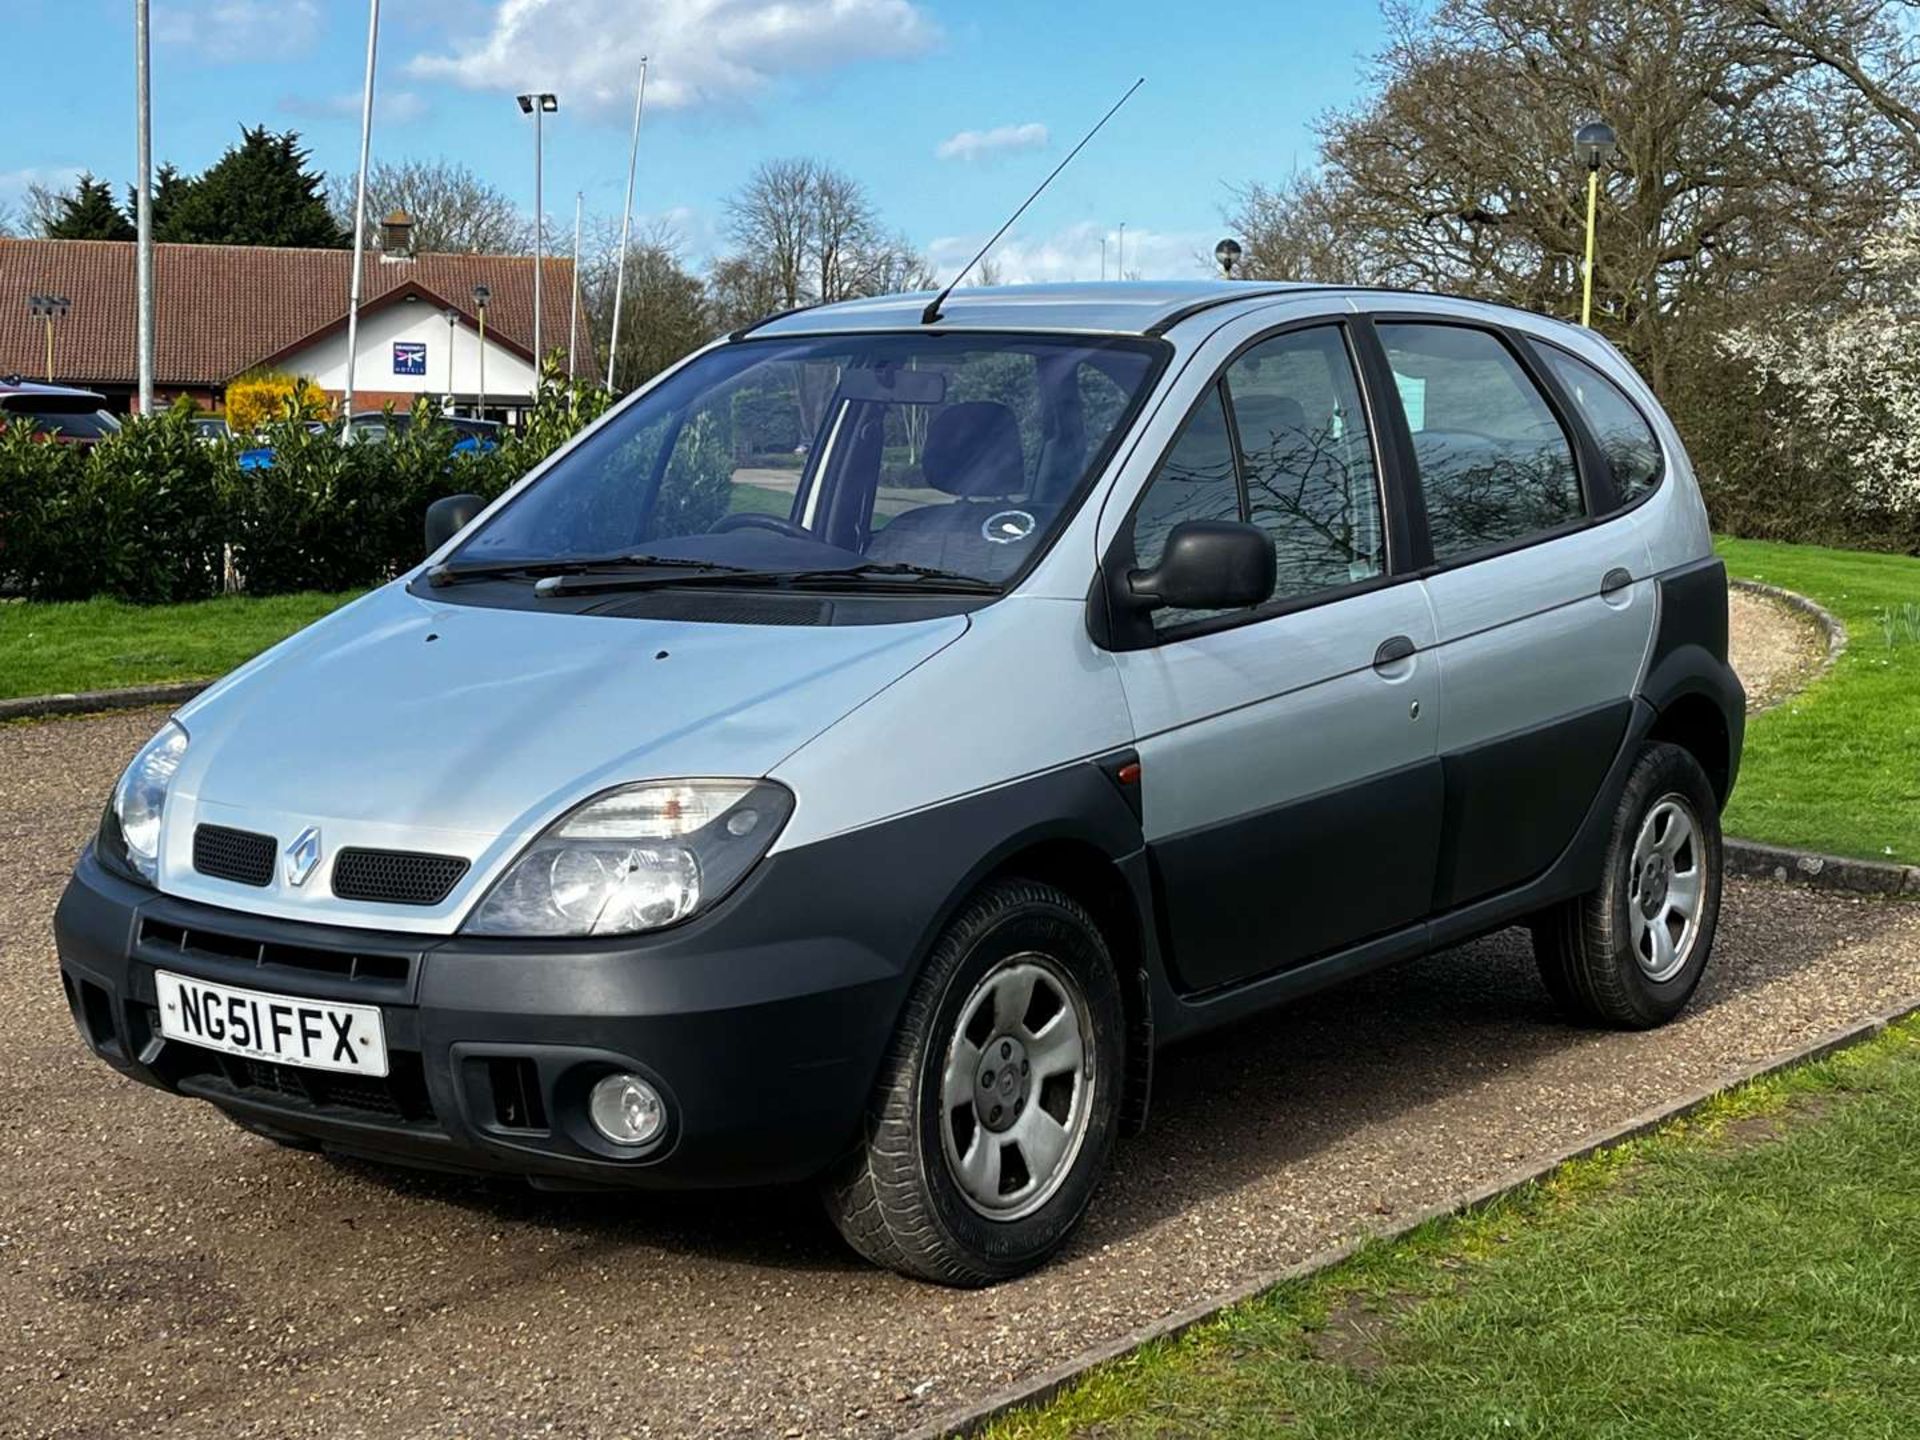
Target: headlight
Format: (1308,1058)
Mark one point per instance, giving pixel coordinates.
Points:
(636,858)
(140,800)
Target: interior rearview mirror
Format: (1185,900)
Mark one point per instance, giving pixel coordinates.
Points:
(1208,565)
(448,516)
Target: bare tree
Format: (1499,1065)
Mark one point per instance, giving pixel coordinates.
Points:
(452,208)
(41,209)
(1749,169)
(813,234)
(1291,231)
(665,313)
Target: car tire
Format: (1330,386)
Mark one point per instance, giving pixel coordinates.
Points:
(998,1101)
(1630,953)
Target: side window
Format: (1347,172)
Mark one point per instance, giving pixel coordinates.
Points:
(1195,481)
(1625,438)
(1495,466)
(1308,460)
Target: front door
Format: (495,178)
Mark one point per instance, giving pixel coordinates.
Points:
(1291,792)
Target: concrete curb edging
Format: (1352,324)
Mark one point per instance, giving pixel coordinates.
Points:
(88,702)
(1829,623)
(972,1420)
(1754,861)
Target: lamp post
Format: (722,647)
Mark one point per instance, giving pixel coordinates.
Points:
(538,104)
(1593,145)
(453,330)
(481,296)
(1120,253)
(49,308)
(1227,255)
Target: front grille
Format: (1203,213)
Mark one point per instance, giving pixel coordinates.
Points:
(238,855)
(396,877)
(164,935)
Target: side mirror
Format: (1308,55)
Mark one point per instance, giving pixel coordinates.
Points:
(447,517)
(1208,565)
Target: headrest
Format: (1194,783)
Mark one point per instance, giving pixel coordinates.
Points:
(973,448)
(1269,421)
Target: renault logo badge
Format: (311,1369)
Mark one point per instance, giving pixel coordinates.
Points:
(303,855)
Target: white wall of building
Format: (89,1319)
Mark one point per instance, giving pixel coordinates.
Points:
(509,378)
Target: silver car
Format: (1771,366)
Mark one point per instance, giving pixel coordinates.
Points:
(853,757)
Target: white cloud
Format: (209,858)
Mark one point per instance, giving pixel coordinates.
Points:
(239,30)
(399,107)
(1073,253)
(705,52)
(973,144)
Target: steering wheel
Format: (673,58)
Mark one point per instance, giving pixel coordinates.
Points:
(755,520)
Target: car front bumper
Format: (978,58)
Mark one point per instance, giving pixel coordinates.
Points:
(763,1036)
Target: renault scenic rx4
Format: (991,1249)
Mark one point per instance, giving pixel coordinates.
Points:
(859,752)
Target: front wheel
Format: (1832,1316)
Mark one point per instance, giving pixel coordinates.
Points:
(1631,952)
(998,1100)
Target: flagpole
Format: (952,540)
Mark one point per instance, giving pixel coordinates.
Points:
(143,206)
(360,213)
(626,224)
(573,311)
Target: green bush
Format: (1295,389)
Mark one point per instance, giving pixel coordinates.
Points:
(154,514)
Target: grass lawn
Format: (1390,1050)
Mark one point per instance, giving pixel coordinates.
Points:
(1752,1272)
(100,644)
(1837,768)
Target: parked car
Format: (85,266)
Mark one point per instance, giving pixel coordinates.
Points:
(59,412)
(212,429)
(260,454)
(1124,661)
(470,436)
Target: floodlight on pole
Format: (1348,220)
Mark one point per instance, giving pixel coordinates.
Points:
(538,104)
(1593,146)
(49,308)
(626,224)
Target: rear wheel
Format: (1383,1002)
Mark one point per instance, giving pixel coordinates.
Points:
(1631,953)
(998,1101)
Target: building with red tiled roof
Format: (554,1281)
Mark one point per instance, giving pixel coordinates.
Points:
(222,310)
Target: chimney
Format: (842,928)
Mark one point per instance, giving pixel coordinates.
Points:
(396,236)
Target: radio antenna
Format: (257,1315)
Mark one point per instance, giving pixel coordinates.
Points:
(932,313)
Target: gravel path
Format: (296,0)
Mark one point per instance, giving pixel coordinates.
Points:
(160,1270)
(1773,646)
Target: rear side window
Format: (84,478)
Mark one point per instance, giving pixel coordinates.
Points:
(1625,438)
(1495,465)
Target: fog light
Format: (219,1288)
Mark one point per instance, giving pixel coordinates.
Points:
(626,1109)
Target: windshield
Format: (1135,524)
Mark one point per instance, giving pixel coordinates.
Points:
(956,453)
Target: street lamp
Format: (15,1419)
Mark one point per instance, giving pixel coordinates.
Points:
(1227,255)
(452,317)
(481,296)
(539,103)
(1593,145)
(49,308)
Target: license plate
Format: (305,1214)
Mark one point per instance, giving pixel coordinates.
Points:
(316,1034)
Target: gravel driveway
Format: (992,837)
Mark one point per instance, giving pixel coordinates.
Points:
(161,1271)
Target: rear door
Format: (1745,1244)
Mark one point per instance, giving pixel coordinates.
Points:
(1541,594)
(1290,788)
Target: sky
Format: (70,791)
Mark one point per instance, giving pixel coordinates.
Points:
(949,111)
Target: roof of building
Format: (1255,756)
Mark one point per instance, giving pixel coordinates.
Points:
(220,310)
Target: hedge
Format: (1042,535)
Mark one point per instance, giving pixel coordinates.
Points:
(154,514)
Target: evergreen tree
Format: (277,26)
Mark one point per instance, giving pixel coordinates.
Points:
(87,212)
(259,193)
(169,185)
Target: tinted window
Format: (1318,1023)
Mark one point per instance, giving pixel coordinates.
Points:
(1625,438)
(1195,482)
(1308,460)
(1495,466)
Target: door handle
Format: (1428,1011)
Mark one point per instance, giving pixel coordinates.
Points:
(1615,580)
(1392,651)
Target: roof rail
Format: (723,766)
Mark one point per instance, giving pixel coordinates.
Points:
(749,328)
(1187,312)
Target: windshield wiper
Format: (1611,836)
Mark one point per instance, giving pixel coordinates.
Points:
(452,574)
(923,579)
